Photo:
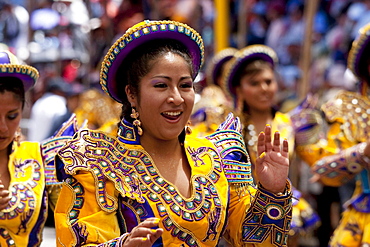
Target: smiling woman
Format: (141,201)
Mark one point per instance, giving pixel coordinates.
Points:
(154,185)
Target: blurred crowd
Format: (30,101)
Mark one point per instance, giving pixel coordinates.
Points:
(67,39)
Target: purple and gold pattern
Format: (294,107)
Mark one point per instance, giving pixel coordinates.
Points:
(121,180)
(21,221)
(269,214)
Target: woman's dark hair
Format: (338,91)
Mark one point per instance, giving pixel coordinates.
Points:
(363,64)
(139,63)
(14,85)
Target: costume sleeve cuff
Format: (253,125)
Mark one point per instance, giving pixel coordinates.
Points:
(269,215)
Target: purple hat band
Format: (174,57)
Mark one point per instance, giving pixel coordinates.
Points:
(9,67)
(148,31)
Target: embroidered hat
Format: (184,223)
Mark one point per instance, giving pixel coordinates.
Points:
(217,62)
(357,53)
(141,33)
(10,66)
(242,58)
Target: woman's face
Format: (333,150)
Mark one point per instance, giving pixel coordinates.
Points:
(10,116)
(166,98)
(258,90)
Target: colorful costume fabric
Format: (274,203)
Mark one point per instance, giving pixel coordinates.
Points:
(112,184)
(33,186)
(304,218)
(339,158)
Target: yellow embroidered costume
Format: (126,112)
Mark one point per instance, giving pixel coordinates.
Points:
(111,184)
(340,156)
(115,185)
(33,188)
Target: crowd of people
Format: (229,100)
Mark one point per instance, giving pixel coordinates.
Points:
(225,154)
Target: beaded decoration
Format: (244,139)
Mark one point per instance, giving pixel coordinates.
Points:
(353,110)
(268,213)
(51,146)
(143,32)
(9,66)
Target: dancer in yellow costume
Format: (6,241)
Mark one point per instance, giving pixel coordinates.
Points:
(27,173)
(345,152)
(154,185)
(251,82)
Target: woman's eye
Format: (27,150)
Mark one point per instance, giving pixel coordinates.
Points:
(160,85)
(13,116)
(187,85)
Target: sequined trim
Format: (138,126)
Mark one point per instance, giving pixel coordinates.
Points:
(353,110)
(50,148)
(269,214)
(230,144)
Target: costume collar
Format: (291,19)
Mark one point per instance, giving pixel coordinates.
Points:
(127,133)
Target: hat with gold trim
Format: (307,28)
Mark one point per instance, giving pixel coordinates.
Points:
(144,32)
(357,54)
(242,58)
(217,62)
(10,67)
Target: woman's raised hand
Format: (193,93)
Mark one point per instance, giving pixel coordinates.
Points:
(272,164)
(143,234)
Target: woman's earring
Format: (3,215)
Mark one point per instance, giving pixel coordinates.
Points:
(17,136)
(136,122)
(188,130)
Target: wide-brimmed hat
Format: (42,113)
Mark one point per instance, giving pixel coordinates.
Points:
(218,60)
(145,32)
(10,67)
(357,54)
(241,59)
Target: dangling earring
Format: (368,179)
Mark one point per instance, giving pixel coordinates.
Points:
(17,136)
(188,130)
(136,122)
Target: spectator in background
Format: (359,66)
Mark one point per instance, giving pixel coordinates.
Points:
(73,99)
(50,106)
(9,24)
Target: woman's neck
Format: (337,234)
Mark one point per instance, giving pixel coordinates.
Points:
(260,118)
(160,148)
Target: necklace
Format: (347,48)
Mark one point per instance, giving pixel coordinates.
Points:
(251,134)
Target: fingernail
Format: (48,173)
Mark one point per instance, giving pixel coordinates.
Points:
(144,239)
(262,132)
(262,155)
(267,125)
(156,221)
(153,230)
